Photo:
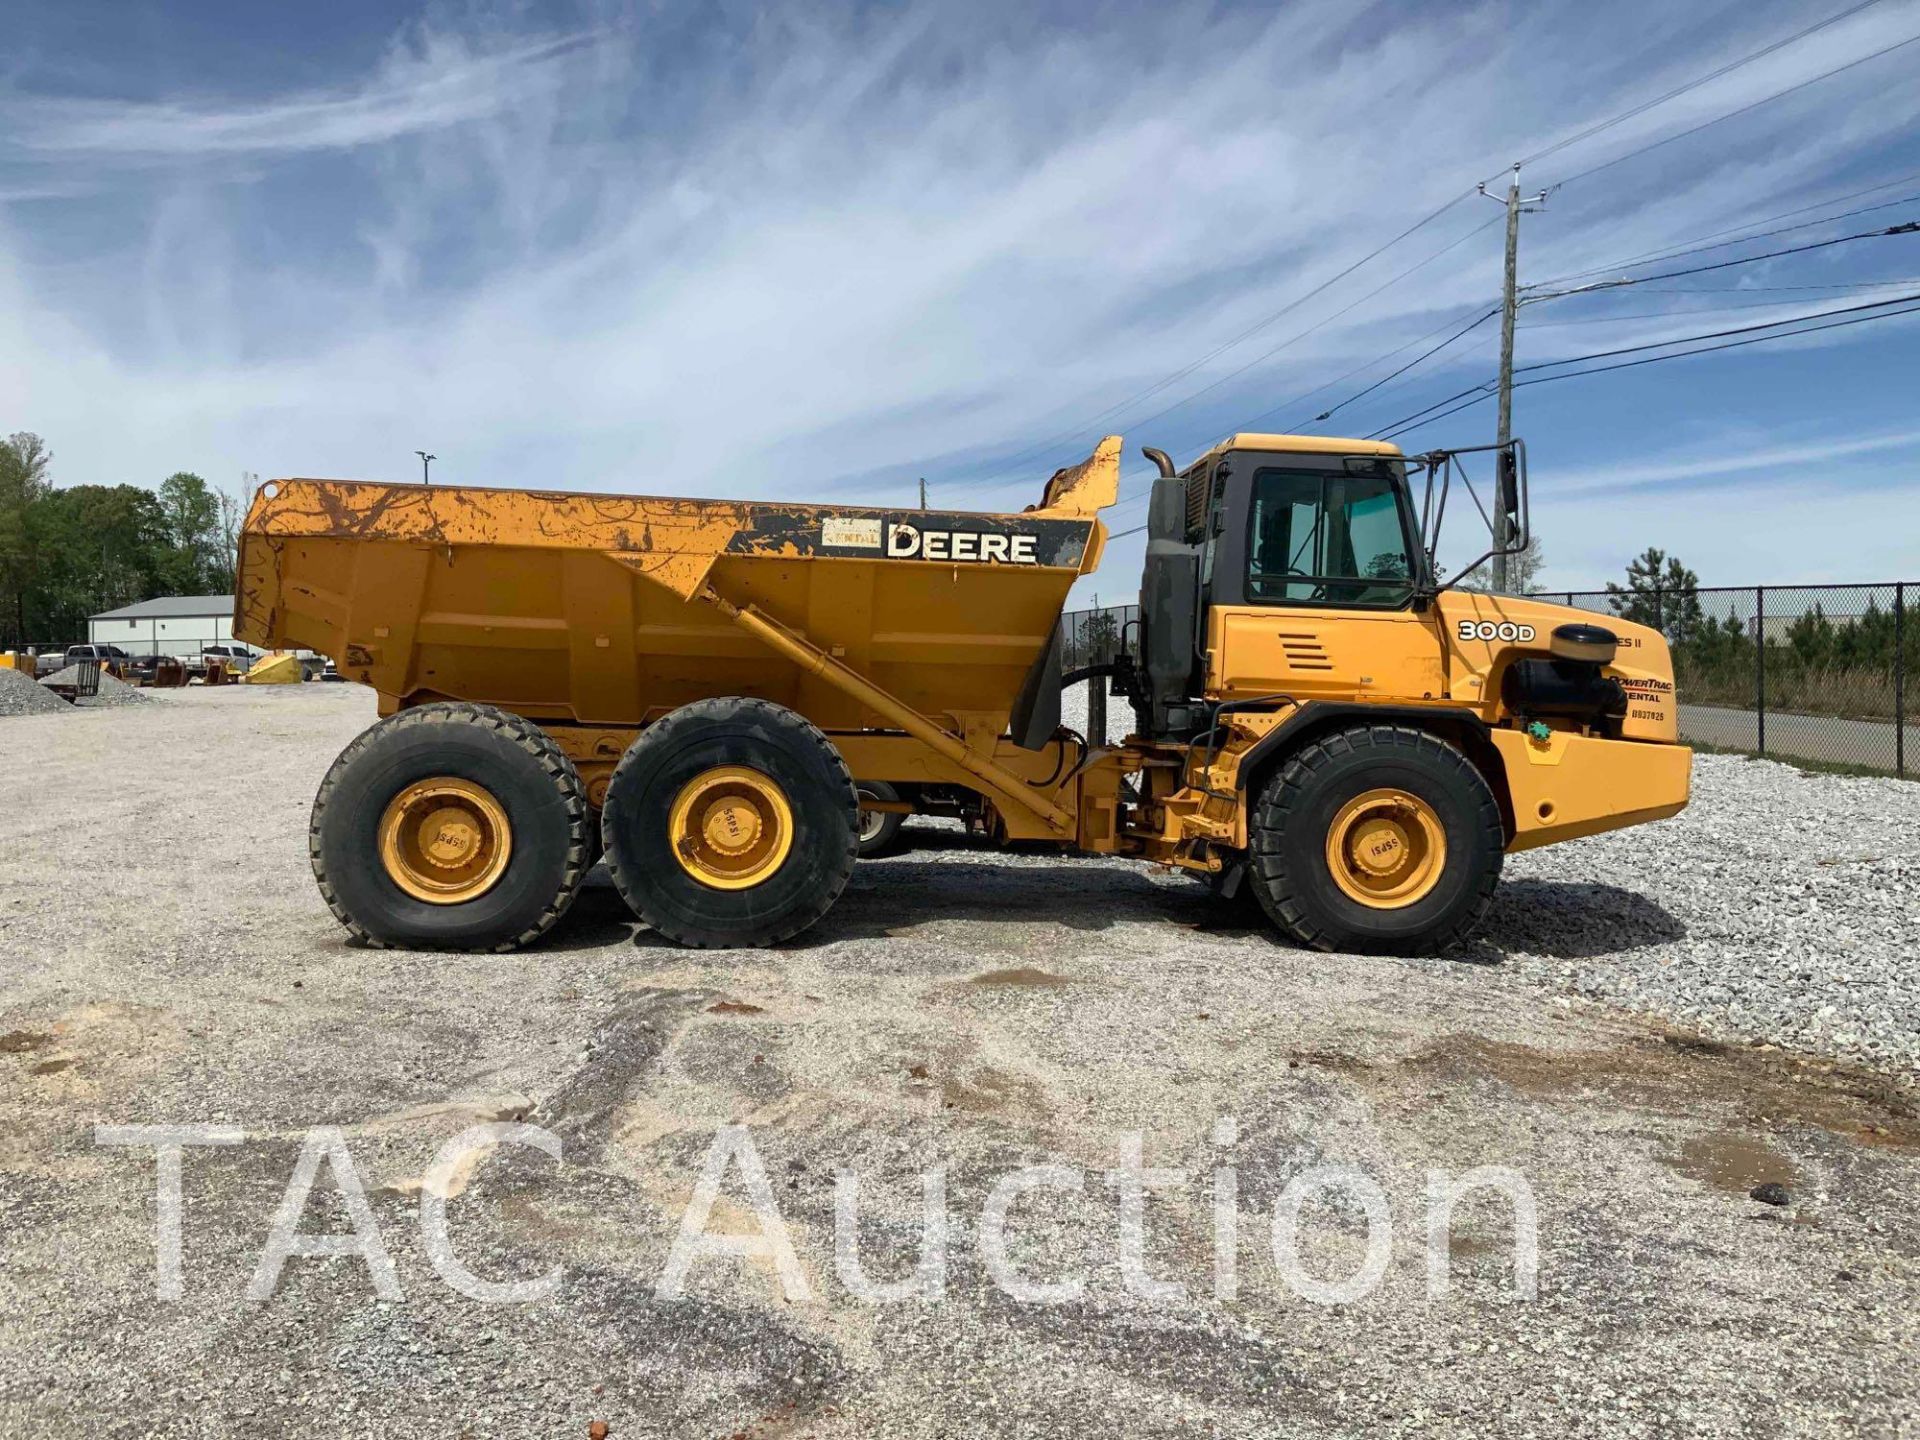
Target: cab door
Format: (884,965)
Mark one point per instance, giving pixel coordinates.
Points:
(1313,584)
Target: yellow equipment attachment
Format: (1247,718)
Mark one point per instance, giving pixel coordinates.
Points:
(275,670)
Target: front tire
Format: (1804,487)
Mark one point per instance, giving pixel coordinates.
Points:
(450,827)
(1377,839)
(731,823)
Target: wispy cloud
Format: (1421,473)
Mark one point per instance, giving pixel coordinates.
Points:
(1788,462)
(443,84)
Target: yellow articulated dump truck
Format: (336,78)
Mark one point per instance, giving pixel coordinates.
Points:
(732,699)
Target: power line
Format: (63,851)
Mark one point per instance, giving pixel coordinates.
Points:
(1678,91)
(1662,252)
(1481,391)
(1348,375)
(1908,228)
(1662,314)
(1913,309)
(1474,395)
(1720,334)
(1742,110)
(1222,348)
(1751,289)
(1267,355)
(1484,391)
(1255,419)
(1423,356)
(1676,251)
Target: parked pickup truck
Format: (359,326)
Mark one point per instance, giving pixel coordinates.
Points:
(237,658)
(107,655)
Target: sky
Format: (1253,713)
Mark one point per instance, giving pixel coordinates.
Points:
(817,252)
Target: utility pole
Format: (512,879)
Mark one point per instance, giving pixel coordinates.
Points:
(1509,304)
(923,492)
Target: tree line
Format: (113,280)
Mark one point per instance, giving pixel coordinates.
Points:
(72,552)
(1665,594)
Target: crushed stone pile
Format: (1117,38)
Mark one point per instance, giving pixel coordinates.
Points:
(21,694)
(112,691)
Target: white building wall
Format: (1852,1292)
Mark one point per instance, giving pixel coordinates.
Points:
(170,635)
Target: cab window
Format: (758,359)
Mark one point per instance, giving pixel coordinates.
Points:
(1329,538)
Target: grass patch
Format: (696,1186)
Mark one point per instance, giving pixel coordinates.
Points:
(1847,692)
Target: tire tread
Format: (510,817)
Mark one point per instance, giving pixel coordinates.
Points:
(521,732)
(715,710)
(1287,791)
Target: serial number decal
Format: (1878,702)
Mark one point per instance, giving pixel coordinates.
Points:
(910,542)
(852,533)
(1488,630)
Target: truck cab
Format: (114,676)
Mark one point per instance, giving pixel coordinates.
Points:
(1293,615)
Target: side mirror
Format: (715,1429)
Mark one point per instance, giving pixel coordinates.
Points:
(1509,471)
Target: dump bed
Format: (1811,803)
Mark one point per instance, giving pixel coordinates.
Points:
(596,608)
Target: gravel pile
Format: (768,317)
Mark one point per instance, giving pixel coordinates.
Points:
(1779,906)
(112,691)
(21,694)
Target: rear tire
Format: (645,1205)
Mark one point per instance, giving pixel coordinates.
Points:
(731,823)
(491,772)
(1410,822)
(878,828)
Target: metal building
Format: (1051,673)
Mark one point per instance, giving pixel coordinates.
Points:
(169,625)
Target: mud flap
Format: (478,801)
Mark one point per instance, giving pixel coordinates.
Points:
(1036,713)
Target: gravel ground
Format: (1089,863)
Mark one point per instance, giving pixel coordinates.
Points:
(21,694)
(1801,895)
(1786,907)
(165,959)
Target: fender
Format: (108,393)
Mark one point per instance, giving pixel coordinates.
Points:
(1314,715)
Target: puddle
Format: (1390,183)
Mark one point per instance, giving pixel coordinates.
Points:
(1021,975)
(17,1042)
(51,1067)
(1729,1160)
(735,1007)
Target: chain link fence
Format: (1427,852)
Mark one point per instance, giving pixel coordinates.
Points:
(1815,673)
(1092,637)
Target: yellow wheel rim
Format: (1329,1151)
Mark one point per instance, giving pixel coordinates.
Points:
(445,840)
(731,827)
(1386,849)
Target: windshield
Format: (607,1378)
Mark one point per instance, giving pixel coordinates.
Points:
(1329,537)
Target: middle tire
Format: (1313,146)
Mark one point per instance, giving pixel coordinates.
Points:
(731,823)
